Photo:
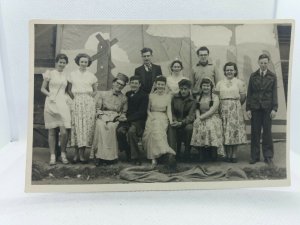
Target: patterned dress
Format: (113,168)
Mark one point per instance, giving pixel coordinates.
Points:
(109,105)
(234,129)
(208,132)
(83,108)
(57,85)
(154,139)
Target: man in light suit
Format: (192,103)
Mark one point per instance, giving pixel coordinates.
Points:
(148,71)
(261,107)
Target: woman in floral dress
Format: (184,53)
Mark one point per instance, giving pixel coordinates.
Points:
(82,88)
(56,110)
(207,128)
(232,93)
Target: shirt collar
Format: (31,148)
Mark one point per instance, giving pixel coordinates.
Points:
(264,72)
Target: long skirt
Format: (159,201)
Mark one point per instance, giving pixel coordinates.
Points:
(154,139)
(234,129)
(105,143)
(83,120)
(208,133)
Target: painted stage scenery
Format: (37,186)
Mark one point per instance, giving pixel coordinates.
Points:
(159,103)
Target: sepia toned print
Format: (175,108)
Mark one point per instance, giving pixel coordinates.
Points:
(164,105)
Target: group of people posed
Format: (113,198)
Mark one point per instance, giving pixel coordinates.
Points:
(161,113)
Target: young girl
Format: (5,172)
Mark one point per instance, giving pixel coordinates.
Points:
(207,129)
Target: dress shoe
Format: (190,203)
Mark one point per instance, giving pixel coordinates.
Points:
(253,161)
(234,160)
(98,162)
(269,161)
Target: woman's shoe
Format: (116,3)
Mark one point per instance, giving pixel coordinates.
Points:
(52,160)
(64,158)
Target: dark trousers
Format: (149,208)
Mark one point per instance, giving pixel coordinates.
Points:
(261,120)
(128,136)
(178,135)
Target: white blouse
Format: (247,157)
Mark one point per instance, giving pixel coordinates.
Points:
(82,82)
(172,83)
(230,88)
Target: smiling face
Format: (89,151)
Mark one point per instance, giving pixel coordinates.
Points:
(134,85)
(230,72)
(176,68)
(203,56)
(160,86)
(147,57)
(118,85)
(61,64)
(263,63)
(83,62)
(206,88)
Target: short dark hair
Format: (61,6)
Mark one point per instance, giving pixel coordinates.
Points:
(203,48)
(161,78)
(185,82)
(234,66)
(83,55)
(144,50)
(61,56)
(264,56)
(135,78)
(176,61)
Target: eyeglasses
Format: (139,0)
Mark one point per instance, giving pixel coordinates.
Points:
(119,83)
(203,55)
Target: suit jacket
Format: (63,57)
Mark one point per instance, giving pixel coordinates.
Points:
(137,106)
(142,73)
(262,91)
(183,109)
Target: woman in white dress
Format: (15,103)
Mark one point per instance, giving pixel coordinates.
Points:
(176,76)
(159,116)
(56,110)
(82,89)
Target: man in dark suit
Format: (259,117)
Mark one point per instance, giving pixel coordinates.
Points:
(148,71)
(261,107)
(131,127)
(183,108)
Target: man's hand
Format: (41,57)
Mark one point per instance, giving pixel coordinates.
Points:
(273,114)
(176,124)
(249,114)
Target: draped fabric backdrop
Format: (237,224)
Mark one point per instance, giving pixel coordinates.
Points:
(119,50)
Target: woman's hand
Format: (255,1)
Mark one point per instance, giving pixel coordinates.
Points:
(52,98)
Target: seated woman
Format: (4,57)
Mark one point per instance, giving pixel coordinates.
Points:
(154,139)
(111,107)
(207,129)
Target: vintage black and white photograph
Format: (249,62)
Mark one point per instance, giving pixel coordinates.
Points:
(158,105)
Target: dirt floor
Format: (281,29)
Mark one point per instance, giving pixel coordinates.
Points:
(43,174)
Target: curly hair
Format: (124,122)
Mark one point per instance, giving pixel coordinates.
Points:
(83,55)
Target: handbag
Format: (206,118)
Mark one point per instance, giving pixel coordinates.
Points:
(52,106)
